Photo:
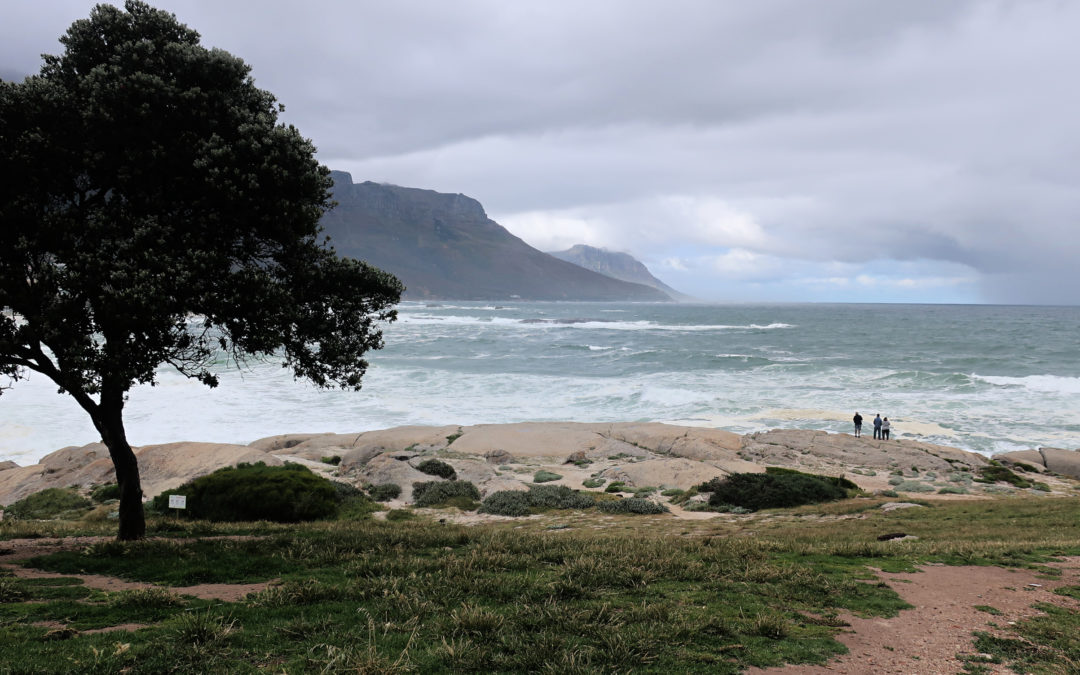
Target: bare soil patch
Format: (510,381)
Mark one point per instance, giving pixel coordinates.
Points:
(928,638)
(16,550)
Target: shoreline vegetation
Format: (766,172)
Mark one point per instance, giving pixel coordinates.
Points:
(391,586)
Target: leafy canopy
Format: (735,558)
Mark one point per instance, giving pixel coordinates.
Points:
(154,211)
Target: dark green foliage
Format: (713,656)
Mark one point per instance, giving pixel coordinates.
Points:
(400,514)
(615,486)
(104,493)
(545,476)
(996,472)
(771,490)
(522,503)
(637,505)
(333,460)
(838,481)
(1021,466)
(593,482)
(345,491)
(385,492)
(507,503)
(49,503)
(436,467)
(284,494)
(154,211)
(438,493)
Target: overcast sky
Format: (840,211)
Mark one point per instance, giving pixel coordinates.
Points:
(914,151)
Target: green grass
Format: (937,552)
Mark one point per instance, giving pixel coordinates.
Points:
(570,591)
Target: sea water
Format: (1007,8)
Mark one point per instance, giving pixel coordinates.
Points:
(983,378)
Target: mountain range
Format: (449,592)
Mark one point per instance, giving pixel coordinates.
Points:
(616,265)
(444,246)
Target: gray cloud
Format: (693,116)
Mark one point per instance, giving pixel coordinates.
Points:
(929,146)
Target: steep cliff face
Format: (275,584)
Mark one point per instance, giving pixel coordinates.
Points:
(622,266)
(443,246)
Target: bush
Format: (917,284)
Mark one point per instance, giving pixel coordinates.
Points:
(632,505)
(520,503)
(359,507)
(558,497)
(385,492)
(438,493)
(838,481)
(283,494)
(437,467)
(506,503)
(104,493)
(593,482)
(772,490)
(400,514)
(545,476)
(51,503)
(914,486)
(995,473)
(334,460)
(952,490)
(673,492)
(617,486)
(890,493)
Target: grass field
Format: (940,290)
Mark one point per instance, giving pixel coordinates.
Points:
(564,592)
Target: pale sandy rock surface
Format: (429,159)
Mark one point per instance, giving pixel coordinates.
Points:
(1056,460)
(506,456)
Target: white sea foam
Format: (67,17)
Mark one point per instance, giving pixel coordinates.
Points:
(1051,384)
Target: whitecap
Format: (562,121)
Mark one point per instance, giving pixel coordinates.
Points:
(1051,384)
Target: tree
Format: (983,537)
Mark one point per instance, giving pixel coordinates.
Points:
(153,211)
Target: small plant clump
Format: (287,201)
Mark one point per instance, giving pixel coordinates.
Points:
(333,460)
(282,494)
(545,476)
(774,489)
(442,493)
(593,482)
(995,473)
(61,503)
(914,486)
(952,490)
(105,493)
(437,467)
(637,505)
(616,486)
(384,492)
(522,503)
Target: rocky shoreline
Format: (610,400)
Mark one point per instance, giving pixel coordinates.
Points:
(505,457)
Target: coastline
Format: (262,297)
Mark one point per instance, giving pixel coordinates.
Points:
(506,456)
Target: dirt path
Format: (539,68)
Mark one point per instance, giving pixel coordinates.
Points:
(16,550)
(926,640)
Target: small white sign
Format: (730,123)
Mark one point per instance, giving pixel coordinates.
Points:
(177,502)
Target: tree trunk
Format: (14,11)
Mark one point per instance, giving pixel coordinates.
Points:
(111,425)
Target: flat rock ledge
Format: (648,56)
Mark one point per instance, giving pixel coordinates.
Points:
(507,456)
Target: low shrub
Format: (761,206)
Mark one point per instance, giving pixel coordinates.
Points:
(439,493)
(772,490)
(1041,487)
(672,492)
(400,514)
(914,486)
(545,476)
(632,505)
(507,503)
(890,493)
(50,503)
(384,492)
(283,494)
(952,490)
(358,507)
(997,473)
(593,482)
(521,503)
(896,480)
(437,467)
(617,486)
(333,460)
(104,493)
(559,497)
(838,481)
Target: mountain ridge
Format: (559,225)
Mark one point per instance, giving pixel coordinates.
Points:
(617,265)
(445,247)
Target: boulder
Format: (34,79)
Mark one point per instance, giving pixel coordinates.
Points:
(1030,457)
(1065,462)
(673,472)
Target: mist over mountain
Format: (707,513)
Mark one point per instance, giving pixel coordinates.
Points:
(444,246)
(622,266)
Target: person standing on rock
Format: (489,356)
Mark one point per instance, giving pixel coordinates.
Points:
(877,426)
(885,429)
(858,424)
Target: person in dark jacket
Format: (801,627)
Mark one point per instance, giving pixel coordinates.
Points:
(858,424)
(877,426)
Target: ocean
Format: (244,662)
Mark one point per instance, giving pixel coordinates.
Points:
(984,378)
